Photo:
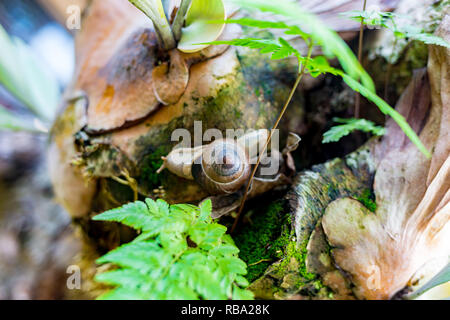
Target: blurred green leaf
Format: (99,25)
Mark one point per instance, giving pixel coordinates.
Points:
(198,28)
(12,122)
(441,278)
(24,76)
(310,24)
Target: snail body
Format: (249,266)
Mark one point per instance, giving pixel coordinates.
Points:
(180,161)
(221,167)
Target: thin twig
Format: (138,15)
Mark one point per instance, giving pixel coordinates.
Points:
(178,23)
(260,261)
(360,51)
(252,176)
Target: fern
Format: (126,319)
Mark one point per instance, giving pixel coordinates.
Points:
(280,49)
(349,125)
(400,25)
(180,254)
(313,31)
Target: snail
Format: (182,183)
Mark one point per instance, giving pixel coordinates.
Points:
(221,167)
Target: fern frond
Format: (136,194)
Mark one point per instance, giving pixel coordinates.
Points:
(263,24)
(280,49)
(353,73)
(429,39)
(387,109)
(320,34)
(336,133)
(181,254)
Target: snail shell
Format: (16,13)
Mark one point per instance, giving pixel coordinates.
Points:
(223,167)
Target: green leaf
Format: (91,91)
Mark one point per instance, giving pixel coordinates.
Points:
(280,49)
(336,133)
(138,255)
(128,278)
(135,215)
(371,17)
(22,74)
(12,122)
(256,23)
(154,9)
(441,278)
(123,294)
(239,294)
(328,39)
(161,265)
(387,109)
(205,210)
(330,42)
(198,29)
(429,39)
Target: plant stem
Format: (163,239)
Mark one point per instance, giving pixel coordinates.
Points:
(180,18)
(360,50)
(283,111)
(260,261)
(155,11)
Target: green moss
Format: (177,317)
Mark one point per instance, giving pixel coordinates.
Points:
(271,238)
(367,198)
(149,165)
(298,252)
(263,240)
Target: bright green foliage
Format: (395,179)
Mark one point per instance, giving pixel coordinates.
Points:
(23,76)
(312,27)
(280,49)
(180,254)
(259,242)
(313,31)
(197,28)
(349,125)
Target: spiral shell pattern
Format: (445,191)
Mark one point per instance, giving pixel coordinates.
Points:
(223,167)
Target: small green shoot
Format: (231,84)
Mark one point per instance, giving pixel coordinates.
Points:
(347,126)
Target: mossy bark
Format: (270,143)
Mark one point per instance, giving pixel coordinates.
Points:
(300,239)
